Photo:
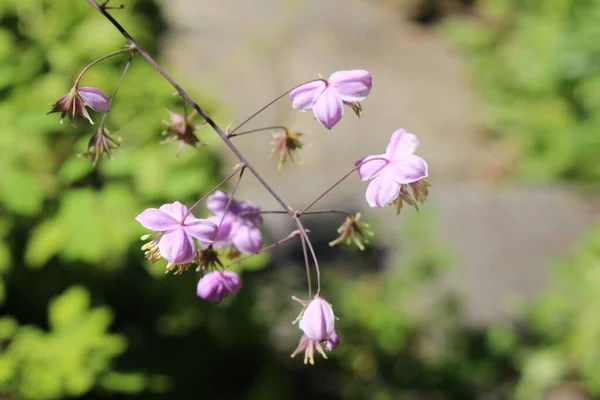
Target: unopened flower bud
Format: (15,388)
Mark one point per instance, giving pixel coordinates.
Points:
(217,285)
(77,99)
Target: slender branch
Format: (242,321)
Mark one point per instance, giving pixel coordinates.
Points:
(268,128)
(196,204)
(326,192)
(269,105)
(105,115)
(196,107)
(305,253)
(90,65)
(230,201)
(267,248)
(314,256)
(329,211)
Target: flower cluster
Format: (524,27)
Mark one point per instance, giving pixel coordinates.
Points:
(234,227)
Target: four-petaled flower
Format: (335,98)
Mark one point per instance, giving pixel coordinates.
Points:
(77,99)
(240,226)
(326,98)
(177,229)
(397,166)
(217,285)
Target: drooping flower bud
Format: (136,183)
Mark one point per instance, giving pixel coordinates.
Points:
(77,99)
(317,321)
(217,285)
(353,231)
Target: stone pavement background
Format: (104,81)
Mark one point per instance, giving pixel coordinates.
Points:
(248,52)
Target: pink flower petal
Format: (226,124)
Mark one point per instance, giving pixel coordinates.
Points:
(175,210)
(304,96)
(371,166)
(329,108)
(203,230)
(217,202)
(401,144)
(382,190)
(246,239)
(94,98)
(223,235)
(177,247)
(408,169)
(352,85)
(156,220)
(318,320)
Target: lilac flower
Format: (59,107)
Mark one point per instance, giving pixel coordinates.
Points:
(241,223)
(77,99)
(177,229)
(397,166)
(326,98)
(217,285)
(317,321)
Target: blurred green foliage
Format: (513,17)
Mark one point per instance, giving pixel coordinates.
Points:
(537,68)
(58,213)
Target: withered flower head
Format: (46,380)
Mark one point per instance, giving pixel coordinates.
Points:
(420,191)
(353,231)
(181,129)
(77,99)
(101,142)
(285,144)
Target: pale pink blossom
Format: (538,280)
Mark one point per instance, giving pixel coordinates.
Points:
(388,171)
(177,229)
(326,98)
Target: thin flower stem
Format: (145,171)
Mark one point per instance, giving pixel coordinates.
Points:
(314,256)
(269,105)
(326,192)
(195,105)
(196,204)
(266,248)
(305,252)
(105,115)
(230,201)
(268,128)
(86,69)
(331,211)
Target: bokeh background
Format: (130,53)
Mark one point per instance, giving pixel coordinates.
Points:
(491,291)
